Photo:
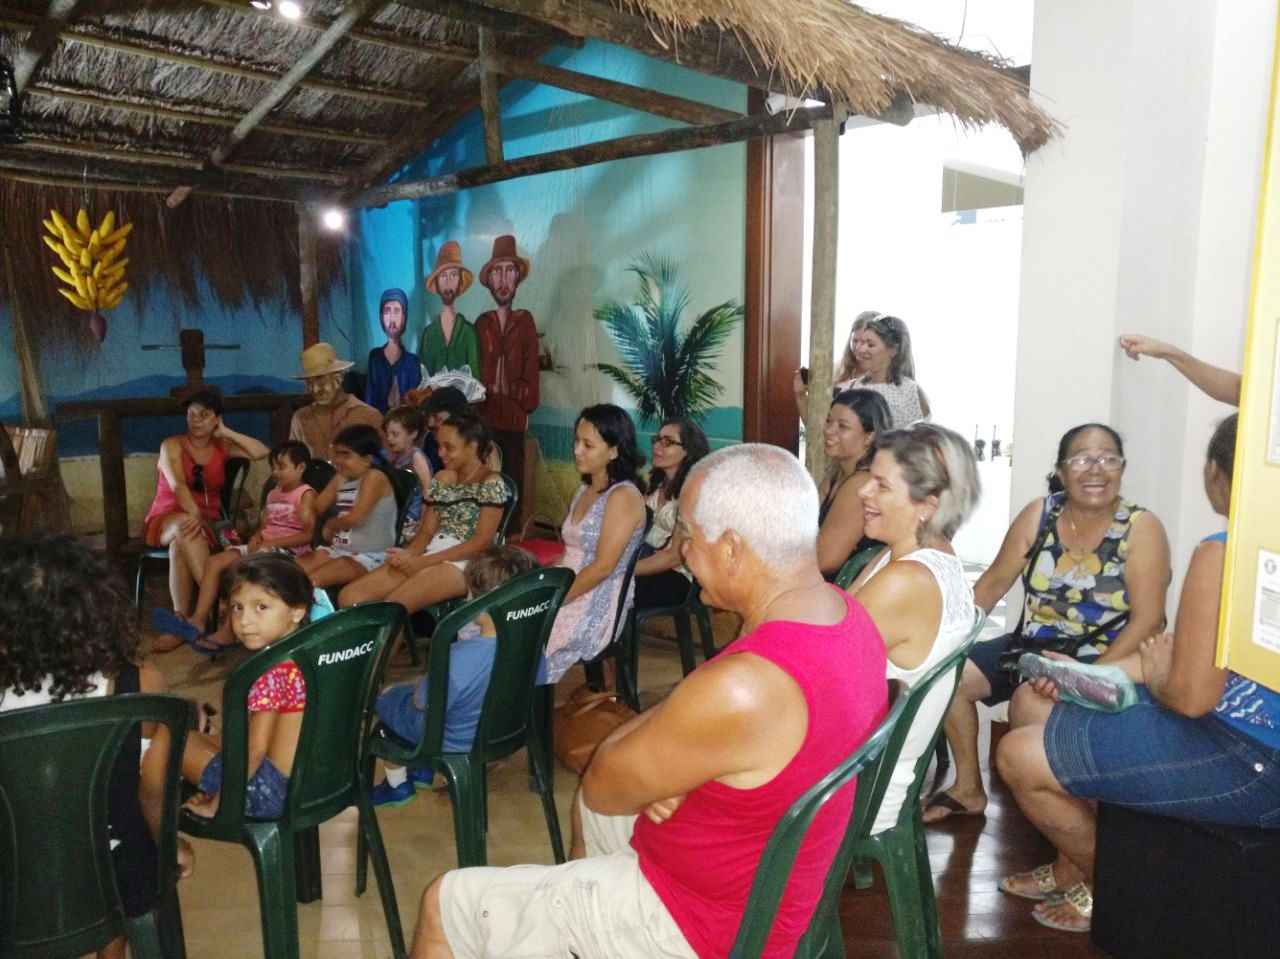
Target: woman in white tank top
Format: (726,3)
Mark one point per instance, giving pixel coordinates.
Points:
(923,486)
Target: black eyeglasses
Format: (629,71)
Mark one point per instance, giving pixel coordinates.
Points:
(665,441)
(197,478)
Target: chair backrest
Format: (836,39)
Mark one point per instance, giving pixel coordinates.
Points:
(875,784)
(774,868)
(523,611)
(628,575)
(341,658)
(58,892)
(237,471)
(403,483)
(856,563)
(508,508)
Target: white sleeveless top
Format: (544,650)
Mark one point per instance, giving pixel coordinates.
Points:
(957,621)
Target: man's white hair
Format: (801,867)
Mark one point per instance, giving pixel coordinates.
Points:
(763,494)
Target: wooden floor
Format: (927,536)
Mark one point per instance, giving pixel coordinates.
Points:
(969,855)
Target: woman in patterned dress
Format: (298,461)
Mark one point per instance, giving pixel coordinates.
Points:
(1095,570)
(603,529)
(463,509)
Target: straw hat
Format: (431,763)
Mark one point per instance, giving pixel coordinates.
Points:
(450,255)
(320,360)
(504,251)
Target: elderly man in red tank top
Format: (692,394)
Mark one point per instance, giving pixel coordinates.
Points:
(679,803)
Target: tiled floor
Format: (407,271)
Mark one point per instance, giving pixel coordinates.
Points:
(220,910)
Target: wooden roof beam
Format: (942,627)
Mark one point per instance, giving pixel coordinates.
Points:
(204,115)
(41,41)
(637,98)
(284,87)
(490,108)
(645,144)
(157,50)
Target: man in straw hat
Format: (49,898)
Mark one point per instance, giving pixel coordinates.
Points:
(331,407)
(508,357)
(449,342)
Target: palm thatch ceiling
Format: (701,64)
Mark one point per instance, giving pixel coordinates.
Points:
(228,99)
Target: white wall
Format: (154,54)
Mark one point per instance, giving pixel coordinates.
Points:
(1139,218)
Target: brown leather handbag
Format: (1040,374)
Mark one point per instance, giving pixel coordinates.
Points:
(583,722)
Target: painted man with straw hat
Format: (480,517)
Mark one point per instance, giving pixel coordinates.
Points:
(332,408)
(508,356)
(449,342)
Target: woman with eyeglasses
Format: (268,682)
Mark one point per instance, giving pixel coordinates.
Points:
(1094,568)
(661,577)
(190,474)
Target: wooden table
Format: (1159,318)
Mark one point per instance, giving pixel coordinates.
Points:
(110,415)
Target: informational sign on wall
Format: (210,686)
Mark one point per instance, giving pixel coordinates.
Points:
(1249,626)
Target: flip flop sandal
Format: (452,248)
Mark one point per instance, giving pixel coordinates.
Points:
(1080,899)
(167,621)
(952,805)
(206,646)
(1042,876)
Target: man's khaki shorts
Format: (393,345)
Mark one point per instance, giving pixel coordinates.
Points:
(593,908)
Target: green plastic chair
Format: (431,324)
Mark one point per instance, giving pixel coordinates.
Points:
(684,615)
(523,611)
(774,868)
(57,881)
(622,648)
(856,563)
(342,659)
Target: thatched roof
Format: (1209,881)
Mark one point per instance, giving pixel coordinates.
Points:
(153,89)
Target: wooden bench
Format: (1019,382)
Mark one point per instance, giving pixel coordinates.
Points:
(1167,889)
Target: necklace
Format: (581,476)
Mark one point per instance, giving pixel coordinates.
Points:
(1077,553)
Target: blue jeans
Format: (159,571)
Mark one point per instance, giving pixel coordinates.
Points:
(1157,761)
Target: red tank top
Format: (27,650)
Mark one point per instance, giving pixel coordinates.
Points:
(701,861)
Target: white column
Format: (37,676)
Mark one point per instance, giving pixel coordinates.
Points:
(1139,219)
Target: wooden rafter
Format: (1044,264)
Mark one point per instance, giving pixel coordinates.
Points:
(202,115)
(481,14)
(37,143)
(638,98)
(157,50)
(284,87)
(41,41)
(377,36)
(645,144)
(490,108)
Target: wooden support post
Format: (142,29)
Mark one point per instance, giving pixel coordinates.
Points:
(115,494)
(490,83)
(822,316)
(308,282)
(35,412)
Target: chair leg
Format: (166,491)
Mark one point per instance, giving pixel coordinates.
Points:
(542,775)
(306,848)
(371,839)
(704,628)
(467,785)
(273,860)
(684,637)
(862,875)
(158,934)
(539,739)
(595,674)
(912,915)
(140,585)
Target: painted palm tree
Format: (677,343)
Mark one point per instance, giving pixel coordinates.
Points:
(667,371)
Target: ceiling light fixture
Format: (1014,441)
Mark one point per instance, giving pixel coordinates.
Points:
(260,4)
(334,219)
(289,9)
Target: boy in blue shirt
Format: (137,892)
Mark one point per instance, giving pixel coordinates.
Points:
(402,707)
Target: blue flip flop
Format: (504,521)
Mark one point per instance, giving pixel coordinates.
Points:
(167,621)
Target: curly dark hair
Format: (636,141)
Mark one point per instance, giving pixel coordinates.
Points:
(65,615)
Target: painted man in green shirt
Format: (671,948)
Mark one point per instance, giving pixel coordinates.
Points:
(449,342)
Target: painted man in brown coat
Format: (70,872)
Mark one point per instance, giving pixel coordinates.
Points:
(508,357)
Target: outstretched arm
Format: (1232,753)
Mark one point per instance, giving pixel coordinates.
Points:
(1222,385)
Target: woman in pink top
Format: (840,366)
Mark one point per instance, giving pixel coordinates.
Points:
(190,474)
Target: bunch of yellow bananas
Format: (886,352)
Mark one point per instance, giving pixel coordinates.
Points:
(94,270)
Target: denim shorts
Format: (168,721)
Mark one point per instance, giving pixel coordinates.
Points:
(398,712)
(264,793)
(1154,760)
